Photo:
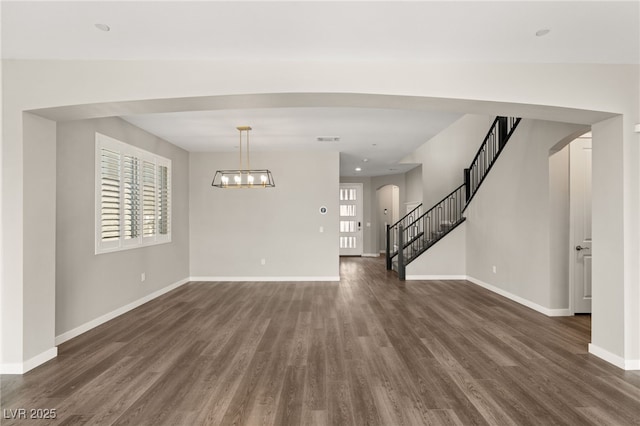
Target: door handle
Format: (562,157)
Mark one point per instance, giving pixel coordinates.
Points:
(578,248)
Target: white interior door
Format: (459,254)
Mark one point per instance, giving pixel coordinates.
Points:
(351,219)
(580,207)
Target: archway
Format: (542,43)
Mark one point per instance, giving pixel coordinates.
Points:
(387,210)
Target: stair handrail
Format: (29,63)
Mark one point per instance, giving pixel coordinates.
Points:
(439,202)
(392,232)
(448,209)
(484,141)
(414,241)
(408,214)
(497,137)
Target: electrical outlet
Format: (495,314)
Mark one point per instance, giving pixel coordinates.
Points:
(143,277)
(495,270)
(321,229)
(263,261)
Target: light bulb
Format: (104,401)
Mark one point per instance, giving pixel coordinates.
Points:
(263,179)
(250,179)
(236,179)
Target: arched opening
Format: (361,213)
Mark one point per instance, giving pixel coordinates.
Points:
(387,210)
(30,285)
(570,182)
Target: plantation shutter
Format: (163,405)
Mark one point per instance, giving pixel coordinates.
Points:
(109,195)
(163,200)
(148,199)
(133,196)
(131,180)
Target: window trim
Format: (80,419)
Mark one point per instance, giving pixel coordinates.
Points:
(122,243)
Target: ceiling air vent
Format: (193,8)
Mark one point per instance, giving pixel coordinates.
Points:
(328,138)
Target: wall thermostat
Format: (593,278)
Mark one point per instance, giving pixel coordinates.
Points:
(323,210)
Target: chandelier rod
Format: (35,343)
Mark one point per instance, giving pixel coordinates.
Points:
(240,132)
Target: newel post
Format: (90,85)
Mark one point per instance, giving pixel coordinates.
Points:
(401,266)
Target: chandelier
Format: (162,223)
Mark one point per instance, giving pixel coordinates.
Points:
(244,176)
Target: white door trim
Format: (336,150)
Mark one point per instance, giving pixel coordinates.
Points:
(576,211)
(358,218)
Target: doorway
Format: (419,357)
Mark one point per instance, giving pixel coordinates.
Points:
(388,203)
(351,215)
(570,224)
(580,228)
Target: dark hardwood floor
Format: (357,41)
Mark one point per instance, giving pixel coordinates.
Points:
(366,350)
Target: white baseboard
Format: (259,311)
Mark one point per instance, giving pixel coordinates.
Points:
(611,358)
(435,277)
(371,254)
(632,364)
(113,314)
(559,312)
(261,279)
(39,359)
(30,364)
(529,304)
(11,368)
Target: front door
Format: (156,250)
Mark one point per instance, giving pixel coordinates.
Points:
(350,219)
(580,207)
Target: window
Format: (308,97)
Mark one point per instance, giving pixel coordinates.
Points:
(133,196)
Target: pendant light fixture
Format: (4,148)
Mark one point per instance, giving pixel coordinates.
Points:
(244,176)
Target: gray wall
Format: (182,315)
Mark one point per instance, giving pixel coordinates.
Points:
(608,266)
(509,221)
(414,185)
(560,221)
(445,260)
(39,235)
(233,230)
(88,285)
(444,156)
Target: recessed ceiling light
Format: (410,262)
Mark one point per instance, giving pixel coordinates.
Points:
(542,32)
(365,160)
(358,169)
(103,27)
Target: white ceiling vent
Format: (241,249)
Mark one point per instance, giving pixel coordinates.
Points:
(328,138)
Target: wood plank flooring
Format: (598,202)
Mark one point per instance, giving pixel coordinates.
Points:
(367,350)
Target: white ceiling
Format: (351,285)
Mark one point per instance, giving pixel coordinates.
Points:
(477,31)
(382,136)
(451,31)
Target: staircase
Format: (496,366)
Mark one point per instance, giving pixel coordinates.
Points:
(416,232)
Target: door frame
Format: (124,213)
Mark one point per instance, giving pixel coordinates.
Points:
(572,235)
(359,208)
(380,231)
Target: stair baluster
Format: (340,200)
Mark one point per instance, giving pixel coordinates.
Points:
(424,230)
